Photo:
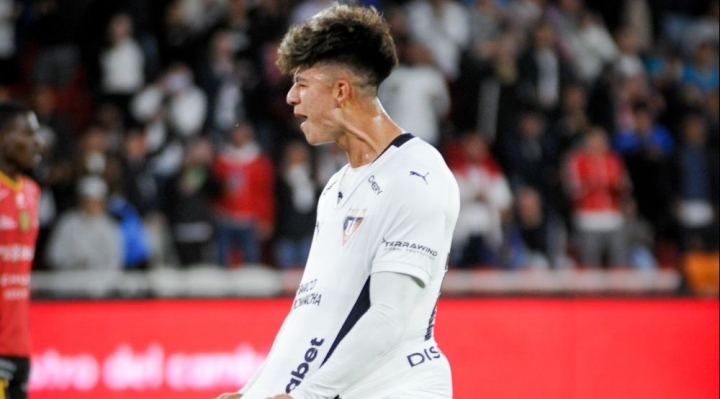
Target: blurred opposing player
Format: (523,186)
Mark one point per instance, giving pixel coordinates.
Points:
(361,325)
(19,195)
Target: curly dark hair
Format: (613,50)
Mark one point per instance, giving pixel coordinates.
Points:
(357,37)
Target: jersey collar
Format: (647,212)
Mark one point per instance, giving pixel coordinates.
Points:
(15,185)
(345,196)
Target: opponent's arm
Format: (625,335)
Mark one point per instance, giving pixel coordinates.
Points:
(393,297)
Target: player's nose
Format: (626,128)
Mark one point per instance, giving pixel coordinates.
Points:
(292,96)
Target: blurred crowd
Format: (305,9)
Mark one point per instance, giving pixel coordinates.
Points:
(581,133)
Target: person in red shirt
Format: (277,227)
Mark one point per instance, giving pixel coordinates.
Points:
(599,187)
(19,196)
(245,206)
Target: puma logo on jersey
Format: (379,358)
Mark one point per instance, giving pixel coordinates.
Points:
(424,177)
(298,375)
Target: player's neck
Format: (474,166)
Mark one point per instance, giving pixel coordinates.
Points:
(368,130)
(9,171)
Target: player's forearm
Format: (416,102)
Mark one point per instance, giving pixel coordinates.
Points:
(393,297)
(358,353)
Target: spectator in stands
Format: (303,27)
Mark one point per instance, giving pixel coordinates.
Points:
(443,27)
(297,192)
(524,14)
(93,152)
(137,182)
(592,47)
(485,203)
(628,64)
(111,119)
(711,111)
(55,169)
(486,21)
(573,119)
(57,55)
(9,68)
(702,73)
(640,237)
(122,64)
(60,147)
(598,185)
(537,236)
(696,187)
(704,29)
(173,100)
(187,204)
(221,80)
(269,22)
(86,237)
(543,70)
(531,155)
(647,150)
(487,86)
(245,207)
(415,94)
(236,23)
(178,41)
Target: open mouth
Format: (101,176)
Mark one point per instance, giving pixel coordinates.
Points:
(301,119)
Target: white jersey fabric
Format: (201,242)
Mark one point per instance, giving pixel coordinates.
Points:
(397,216)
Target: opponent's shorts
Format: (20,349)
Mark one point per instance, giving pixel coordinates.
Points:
(14,374)
(420,371)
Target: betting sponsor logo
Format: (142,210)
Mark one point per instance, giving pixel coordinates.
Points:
(16,253)
(7,223)
(14,279)
(426,355)
(374,185)
(409,247)
(353,220)
(298,375)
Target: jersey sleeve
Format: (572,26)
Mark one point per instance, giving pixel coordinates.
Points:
(415,234)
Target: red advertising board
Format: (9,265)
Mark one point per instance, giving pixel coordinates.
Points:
(498,348)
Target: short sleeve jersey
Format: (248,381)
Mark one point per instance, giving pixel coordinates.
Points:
(397,216)
(18,232)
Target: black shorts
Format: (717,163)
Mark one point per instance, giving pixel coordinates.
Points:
(14,375)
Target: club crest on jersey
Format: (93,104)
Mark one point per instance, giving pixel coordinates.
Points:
(352,222)
(24,220)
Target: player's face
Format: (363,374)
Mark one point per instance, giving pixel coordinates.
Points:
(313,102)
(19,143)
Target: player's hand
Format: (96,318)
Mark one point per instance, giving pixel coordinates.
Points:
(281,397)
(230,396)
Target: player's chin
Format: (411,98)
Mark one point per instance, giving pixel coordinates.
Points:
(312,136)
(29,161)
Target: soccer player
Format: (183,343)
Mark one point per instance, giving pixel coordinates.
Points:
(361,325)
(19,195)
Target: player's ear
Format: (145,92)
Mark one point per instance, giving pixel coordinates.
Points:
(342,91)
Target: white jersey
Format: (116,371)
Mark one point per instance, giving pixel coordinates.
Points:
(397,216)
